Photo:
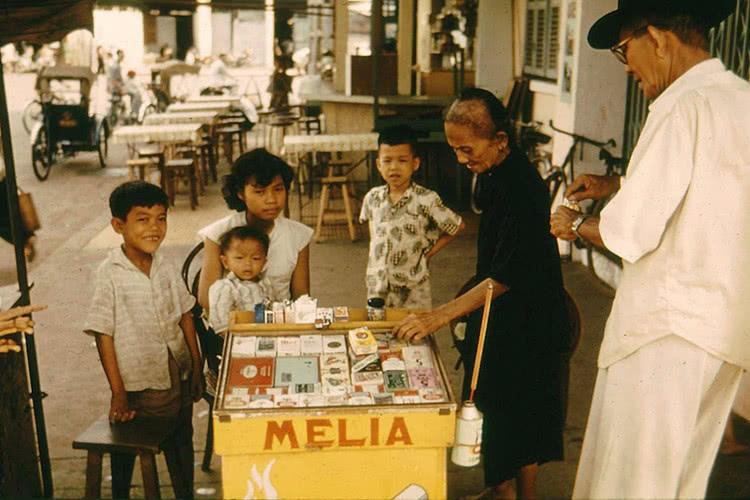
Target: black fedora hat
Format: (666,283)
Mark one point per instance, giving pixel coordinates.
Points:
(605,32)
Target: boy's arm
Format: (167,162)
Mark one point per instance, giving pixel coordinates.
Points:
(191,338)
(444,240)
(118,408)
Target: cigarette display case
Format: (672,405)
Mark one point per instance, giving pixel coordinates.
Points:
(348,411)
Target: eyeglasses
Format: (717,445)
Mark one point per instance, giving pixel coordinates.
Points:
(620,50)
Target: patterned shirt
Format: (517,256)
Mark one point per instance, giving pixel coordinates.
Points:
(234,294)
(142,313)
(400,235)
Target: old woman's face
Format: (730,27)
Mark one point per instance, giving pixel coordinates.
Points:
(475,152)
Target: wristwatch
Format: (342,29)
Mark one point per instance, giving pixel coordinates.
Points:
(577,224)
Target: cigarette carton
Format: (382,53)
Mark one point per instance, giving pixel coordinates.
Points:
(406,397)
(296,370)
(361,342)
(334,344)
(360,399)
(395,381)
(417,356)
(367,378)
(422,378)
(288,346)
(311,345)
(366,363)
(236,401)
(286,401)
(312,400)
(392,361)
(261,401)
(340,314)
(265,347)
(247,372)
(243,347)
(432,395)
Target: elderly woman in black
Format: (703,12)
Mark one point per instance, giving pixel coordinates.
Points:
(519,388)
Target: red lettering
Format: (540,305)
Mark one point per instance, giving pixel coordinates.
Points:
(316,428)
(343,441)
(398,432)
(286,429)
(374,431)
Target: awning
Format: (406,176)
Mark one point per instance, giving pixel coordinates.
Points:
(189,5)
(43,21)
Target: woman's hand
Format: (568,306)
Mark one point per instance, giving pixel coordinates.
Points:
(561,223)
(418,326)
(592,187)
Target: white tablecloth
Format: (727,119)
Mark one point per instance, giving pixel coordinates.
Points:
(232,99)
(180,132)
(333,143)
(202,117)
(182,107)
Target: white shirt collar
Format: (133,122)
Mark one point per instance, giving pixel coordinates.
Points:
(692,78)
(120,259)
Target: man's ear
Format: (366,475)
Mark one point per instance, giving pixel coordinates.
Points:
(502,139)
(660,39)
(117,224)
(417,163)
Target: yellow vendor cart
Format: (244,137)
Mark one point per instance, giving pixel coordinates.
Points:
(392,448)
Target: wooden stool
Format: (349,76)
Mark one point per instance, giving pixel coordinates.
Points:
(228,136)
(142,437)
(181,169)
(329,183)
(154,153)
(142,166)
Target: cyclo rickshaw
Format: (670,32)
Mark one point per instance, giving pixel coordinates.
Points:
(67,125)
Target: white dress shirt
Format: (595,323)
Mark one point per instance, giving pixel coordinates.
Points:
(681,222)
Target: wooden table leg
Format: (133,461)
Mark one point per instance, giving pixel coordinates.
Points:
(94,474)
(150,478)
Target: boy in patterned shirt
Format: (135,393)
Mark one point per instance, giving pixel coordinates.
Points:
(408,225)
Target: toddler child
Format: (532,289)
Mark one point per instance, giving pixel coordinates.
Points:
(243,253)
(408,225)
(141,320)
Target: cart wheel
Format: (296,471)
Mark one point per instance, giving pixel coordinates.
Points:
(102,147)
(40,158)
(32,113)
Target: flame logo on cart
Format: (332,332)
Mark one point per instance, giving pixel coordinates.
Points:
(260,486)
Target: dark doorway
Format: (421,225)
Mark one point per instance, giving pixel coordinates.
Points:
(184,28)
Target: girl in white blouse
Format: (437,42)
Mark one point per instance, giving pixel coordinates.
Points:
(257,189)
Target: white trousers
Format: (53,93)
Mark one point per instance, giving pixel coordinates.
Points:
(656,422)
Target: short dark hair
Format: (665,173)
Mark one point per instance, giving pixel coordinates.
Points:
(243,233)
(133,194)
(499,117)
(259,164)
(689,29)
(397,135)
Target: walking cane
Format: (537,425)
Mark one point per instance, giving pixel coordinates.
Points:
(466,450)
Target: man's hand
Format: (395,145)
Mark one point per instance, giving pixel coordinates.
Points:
(561,223)
(592,187)
(118,409)
(196,383)
(418,326)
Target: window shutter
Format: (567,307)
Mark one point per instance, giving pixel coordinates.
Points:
(553,41)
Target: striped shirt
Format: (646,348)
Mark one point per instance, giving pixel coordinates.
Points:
(142,313)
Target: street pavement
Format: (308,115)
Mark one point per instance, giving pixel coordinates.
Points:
(75,237)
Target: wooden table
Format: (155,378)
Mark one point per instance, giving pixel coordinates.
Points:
(202,117)
(163,134)
(232,99)
(182,107)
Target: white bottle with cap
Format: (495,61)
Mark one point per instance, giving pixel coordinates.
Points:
(466,450)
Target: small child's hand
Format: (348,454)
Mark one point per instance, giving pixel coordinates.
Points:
(118,409)
(196,385)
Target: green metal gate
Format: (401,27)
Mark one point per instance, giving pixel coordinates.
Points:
(729,41)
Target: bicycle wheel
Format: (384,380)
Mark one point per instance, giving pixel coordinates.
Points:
(40,157)
(102,147)
(32,113)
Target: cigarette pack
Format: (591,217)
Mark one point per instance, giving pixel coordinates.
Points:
(361,342)
(304,309)
(288,346)
(406,397)
(395,344)
(382,340)
(422,378)
(265,347)
(289,316)
(395,381)
(417,356)
(336,384)
(312,400)
(236,402)
(336,370)
(238,391)
(269,391)
(269,316)
(243,347)
(336,399)
(372,388)
(432,395)
(260,313)
(250,372)
(331,361)
(359,399)
(323,317)
(340,313)
(278,312)
(311,345)
(334,344)
(367,378)
(261,401)
(382,398)
(296,370)
(392,361)
(286,401)
(366,363)
(306,388)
